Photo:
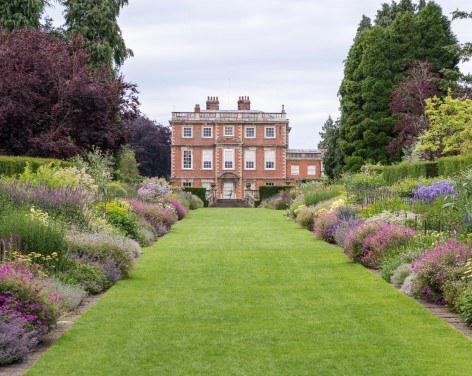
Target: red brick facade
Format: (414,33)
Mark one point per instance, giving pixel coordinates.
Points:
(235,152)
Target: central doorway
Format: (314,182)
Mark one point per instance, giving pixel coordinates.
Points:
(228,190)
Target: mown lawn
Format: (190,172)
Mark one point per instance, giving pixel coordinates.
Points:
(247,292)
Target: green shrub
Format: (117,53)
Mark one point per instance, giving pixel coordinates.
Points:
(116,189)
(464,304)
(127,166)
(358,186)
(452,166)
(267,191)
(86,275)
(19,231)
(196,202)
(423,169)
(322,194)
(305,216)
(405,187)
(118,213)
(391,204)
(102,247)
(10,165)
(200,192)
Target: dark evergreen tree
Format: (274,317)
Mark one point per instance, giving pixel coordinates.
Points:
(96,21)
(16,14)
(378,60)
(329,145)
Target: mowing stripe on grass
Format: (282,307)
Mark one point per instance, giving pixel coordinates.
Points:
(248,292)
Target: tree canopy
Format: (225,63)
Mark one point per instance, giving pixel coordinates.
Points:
(151,144)
(16,14)
(329,145)
(381,56)
(96,21)
(53,103)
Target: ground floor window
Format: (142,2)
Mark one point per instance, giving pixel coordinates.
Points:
(187,184)
(311,170)
(187,160)
(295,170)
(269,158)
(270,183)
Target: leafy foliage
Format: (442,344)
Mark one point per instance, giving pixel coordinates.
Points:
(16,14)
(96,22)
(450,131)
(378,60)
(61,106)
(151,144)
(332,158)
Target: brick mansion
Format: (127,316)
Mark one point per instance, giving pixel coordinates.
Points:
(233,152)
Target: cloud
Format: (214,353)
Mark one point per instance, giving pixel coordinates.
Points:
(277,52)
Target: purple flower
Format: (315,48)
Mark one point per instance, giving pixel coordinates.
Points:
(16,338)
(430,193)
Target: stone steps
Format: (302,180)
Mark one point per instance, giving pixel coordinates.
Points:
(233,203)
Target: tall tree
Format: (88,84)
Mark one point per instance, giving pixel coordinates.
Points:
(378,60)
(52,103)
(151,144)
(329,145)
(96,21)
(16,14)
(408,105)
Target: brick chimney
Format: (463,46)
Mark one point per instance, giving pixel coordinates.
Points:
(244,104)
(213,104)
(197,108)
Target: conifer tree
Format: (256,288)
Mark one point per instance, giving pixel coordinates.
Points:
(379,59)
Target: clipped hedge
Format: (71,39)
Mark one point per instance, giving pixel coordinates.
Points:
(10,165)
(447,166)
(267,191)
(450,166)
(200,192)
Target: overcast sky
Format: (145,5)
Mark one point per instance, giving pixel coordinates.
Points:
(277,52)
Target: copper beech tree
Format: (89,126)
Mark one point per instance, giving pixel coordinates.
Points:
(53,103)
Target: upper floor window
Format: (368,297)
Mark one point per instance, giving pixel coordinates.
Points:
(187,184)
(249,159)
(207,159)
(228,159)
(187,133)
(187,160)
(295,170)
(250,132)
(269,132)
(207,132)
(229,131)
(311,170)
(269,159)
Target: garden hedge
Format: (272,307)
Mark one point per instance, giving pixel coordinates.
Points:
(200,192)
(267,191)
(10,165)
(447,166)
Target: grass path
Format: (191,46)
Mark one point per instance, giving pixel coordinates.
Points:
(247,292)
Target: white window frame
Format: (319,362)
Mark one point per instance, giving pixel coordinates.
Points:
(246,160)
(207,160)
(187,184)
(268,161)
(183,159)
(271,137)
(224,159)
(295,170)
(203,132)
(245,132)
(314,170)
(227,127)
(183,131)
